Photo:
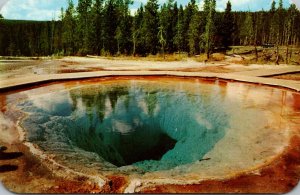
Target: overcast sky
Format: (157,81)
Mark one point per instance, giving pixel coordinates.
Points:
(47,9)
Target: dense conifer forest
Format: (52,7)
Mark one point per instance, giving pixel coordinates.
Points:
(106,27)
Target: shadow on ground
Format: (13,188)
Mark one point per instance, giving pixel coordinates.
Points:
(8,156)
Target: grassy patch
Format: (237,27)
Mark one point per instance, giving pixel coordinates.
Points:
(217,57)
(213,57)
(200,58)
(158,57)
(267,55)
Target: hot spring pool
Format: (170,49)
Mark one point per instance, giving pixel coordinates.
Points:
(154,126)
(158,127)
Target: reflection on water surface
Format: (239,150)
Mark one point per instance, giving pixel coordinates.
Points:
(151,125)
(156,123)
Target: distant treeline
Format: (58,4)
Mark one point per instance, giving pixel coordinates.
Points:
(106,27)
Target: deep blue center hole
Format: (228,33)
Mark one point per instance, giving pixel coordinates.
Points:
(131,123)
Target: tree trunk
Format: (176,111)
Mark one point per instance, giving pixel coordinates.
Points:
(277,56)
(256,53)
(118,48)
(208,54)
(133,52)
(287,55)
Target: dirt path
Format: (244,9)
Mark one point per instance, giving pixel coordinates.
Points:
(294,76)
(24,72)
(21,68)
(271,71)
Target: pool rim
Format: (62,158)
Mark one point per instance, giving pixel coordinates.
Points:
(292,86)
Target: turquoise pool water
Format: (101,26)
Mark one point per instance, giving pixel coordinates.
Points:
(152,125)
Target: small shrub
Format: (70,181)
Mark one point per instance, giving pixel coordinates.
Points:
(200,58)
(105,53)
(217,57)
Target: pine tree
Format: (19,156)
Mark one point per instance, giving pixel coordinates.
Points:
(194,33)
(69,26)
(84,26)
(247,32)
(280,4)
(179,39)
(161,39)
(96,35)
(1,17)
(227,26)
(150,26)
(106,27)
(44,43)
(290,24)
(210,27)
(274,26)
(188,16)
(265,24)
(110,20)
(281,21)
(118,37)
(137,39)
(171,23)
(164,24)
(57,39)
(124,26)
(206,6)
(174,17)
(297,29)
(203,20)
(273,7)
